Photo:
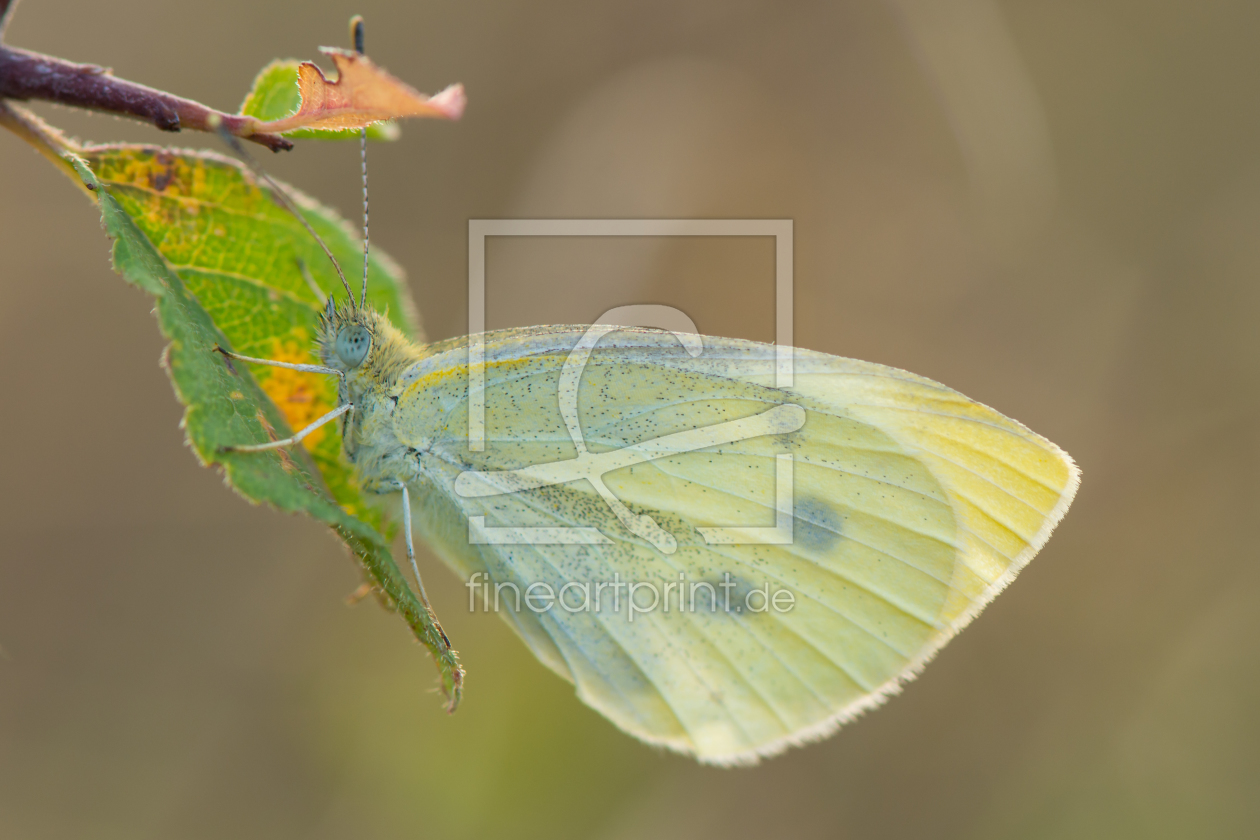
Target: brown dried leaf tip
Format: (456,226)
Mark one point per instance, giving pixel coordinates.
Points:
(362,94)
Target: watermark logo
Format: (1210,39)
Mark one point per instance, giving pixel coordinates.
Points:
(640,597)
(591,467)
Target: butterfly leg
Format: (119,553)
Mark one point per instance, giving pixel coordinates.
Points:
(228,354)
(411,548)
(277,444)
(415,568)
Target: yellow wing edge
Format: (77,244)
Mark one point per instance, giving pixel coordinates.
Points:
(827,727)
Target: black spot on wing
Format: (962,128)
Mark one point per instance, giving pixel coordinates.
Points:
(816,525)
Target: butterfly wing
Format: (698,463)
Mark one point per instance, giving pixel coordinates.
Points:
(911,508)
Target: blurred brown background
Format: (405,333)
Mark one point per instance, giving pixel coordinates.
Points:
(1052,206)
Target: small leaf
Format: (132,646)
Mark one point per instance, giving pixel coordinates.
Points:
(227,272)
(362,94)
(275,95)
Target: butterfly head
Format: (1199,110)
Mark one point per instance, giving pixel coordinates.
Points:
(363,343)
(347,336)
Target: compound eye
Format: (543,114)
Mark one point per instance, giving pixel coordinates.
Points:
(352,345)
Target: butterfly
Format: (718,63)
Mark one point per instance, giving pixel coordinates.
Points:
(647,464)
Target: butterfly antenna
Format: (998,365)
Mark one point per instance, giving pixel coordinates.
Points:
(245,158)
(356,35)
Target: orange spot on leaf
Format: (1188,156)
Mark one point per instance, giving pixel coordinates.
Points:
(302,397)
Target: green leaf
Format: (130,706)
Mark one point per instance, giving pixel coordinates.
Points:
(275,96)
(223,259)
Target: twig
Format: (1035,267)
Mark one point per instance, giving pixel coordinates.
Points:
(26,75)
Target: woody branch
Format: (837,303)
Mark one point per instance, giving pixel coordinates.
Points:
(26,75)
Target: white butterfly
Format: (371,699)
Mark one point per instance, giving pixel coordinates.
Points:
(628,516)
